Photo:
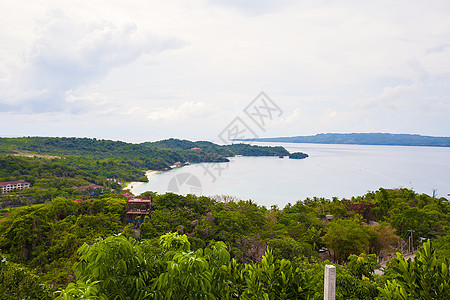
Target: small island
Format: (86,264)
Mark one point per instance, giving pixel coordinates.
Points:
(298,155)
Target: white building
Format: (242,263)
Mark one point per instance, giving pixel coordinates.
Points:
(9,186)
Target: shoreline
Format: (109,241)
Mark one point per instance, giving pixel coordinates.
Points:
(134,184)
(149,173)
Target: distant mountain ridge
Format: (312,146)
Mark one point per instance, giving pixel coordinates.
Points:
(363,139)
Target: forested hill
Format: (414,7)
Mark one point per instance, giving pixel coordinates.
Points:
(364,139)
(150,157)
(223,150)
(57,166)
(153,155)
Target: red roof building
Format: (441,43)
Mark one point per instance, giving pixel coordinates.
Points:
(137,209)
(86,187)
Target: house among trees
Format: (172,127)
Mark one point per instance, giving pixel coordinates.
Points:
(88,187)
(178,164)
(137,209)
(9,186)
(128,196)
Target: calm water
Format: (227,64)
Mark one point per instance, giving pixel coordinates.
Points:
(331,170)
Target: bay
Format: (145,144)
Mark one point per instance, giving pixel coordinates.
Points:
(330,171)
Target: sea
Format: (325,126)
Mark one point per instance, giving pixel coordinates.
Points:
(340,171)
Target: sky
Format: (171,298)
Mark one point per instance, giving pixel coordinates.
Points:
(145,70)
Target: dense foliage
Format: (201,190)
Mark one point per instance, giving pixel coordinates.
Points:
(425,277)
(298,155)
(236,247)
(152,155)
(223,150)
(50,178)
(192,247)
(45,237)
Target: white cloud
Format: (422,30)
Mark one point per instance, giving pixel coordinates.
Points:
(67,54)
(188,110)
(293,117)
(254,7)
(377,65)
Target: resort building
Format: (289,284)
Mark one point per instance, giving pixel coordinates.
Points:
(10,186)
(137,209)
(88,187)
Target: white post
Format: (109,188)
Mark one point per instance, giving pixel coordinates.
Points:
(329,292)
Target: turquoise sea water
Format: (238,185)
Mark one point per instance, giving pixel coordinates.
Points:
(331,171)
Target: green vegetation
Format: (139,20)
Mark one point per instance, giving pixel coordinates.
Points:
(192,247)
(45,237)
(50,178)
(298,155)
(221,248)
(149,155)
(425,277)
(226,150)
(18,282)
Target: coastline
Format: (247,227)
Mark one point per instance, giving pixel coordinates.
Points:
(149,173)
(134,184)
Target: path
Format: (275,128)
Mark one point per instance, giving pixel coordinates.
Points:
(383,264)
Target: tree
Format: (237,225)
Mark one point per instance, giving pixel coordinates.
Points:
(362,266)
(346,237)
(17,282)
(288,248)
(122,267)
(382,238)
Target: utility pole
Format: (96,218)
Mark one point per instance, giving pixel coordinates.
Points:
(410,240)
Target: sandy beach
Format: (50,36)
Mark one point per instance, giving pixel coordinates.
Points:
(132,185)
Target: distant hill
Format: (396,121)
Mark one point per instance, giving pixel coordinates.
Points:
(363,139)
(221,150)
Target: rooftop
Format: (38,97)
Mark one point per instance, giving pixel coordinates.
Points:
(85,187)
(5,183)
(137,200)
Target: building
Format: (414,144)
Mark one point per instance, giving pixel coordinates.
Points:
(329,217)
(88,187)
(137,209)
(9,186)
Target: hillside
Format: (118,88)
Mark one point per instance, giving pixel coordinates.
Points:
(364,139)
(219,242)
(223,150)
(59,166)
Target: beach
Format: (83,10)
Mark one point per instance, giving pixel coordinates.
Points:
(132,185)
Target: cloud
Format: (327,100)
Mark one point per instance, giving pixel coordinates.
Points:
(187,110)
(376,64)
(68,54)
(254,7)
(293,117)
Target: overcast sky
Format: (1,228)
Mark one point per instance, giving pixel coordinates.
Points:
(147,70)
